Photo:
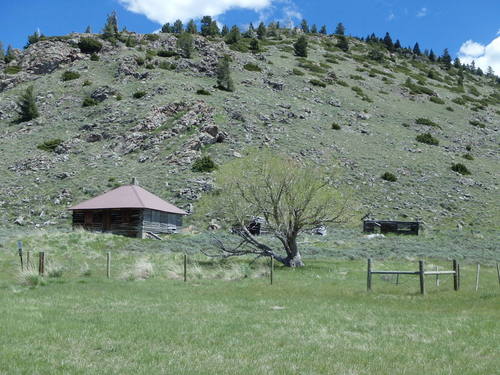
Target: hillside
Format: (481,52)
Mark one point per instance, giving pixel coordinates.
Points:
(152,121)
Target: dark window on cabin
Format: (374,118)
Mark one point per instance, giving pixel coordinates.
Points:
(78,218)
(116,217)
(97,218)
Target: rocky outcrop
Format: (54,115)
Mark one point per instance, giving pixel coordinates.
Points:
(46,56)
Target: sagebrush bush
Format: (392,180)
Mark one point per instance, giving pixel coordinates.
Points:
(316,82)
(204,164)
(89,45)
(30,277)
(477,123)
(437,100)
(468,156)
(203,92)
(426,121)
(12,69)
(427,138)
(94,57)
(141,270)
(388,176)
(460,168)
(69,75)
(139,94)
(297,72)
(50,145)
(167,66)
(87,83)
(336,126)
(252,67)
(89,102)
(165,53)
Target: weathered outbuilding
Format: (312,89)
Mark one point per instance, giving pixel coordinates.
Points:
(130,211)
(388,226)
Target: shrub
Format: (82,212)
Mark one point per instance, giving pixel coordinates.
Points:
(167,66)
(94,57)
(450,109)
(468,156)
(139,94)
(69,75)
(140,60)
(89,45)
(204,164)
(436,100)
(426,121)
(150,66)
(428,139)
(316,82)
(297,72)
(89,102)
(252,67)
(459,101)
(50,145)
(356,77)
(165,53)
(30,277)
(12,69)
(342,83)
(418,89)
(336,126)
(468,148)
(203,92)
(477,123)
(388,176)
(460,168)
(87,83)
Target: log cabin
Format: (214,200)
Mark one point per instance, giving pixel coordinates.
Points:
(130,211)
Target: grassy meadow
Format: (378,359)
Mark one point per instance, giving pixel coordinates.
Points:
(228,319)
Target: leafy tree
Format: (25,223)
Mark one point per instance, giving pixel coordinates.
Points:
(261,31)
(314,29)
(342,43)
(446,59)
(432,56)
(111,27)
(186,44)
(27,106)
(291,198)
(416,50)
(10,55)
(225,30)
(323,30)
(88,30)
(340,30)
(388,42)
(234,35)
(178,27)
(224,80)
(255,45)
(300,46)
(191,27)
(167,28)
(304,26)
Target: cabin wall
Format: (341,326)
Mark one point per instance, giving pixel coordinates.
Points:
(160,222)
(125,221)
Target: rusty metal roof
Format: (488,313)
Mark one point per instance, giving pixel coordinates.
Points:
(128,196)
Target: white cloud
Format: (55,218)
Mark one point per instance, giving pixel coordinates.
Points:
(483,55)
(163,11)
(391,16)
(422,12)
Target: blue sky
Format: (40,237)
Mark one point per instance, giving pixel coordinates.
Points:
(435,24)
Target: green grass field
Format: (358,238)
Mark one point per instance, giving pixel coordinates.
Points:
(227,319)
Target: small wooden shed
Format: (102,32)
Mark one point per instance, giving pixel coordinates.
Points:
(389,226)
(130,211)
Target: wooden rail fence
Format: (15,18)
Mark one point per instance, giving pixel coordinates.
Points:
(421,273)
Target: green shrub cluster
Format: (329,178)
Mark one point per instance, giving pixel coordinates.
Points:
(203,92)
(89,102)
(426,121)
(460,168)
(204,164)
(418,89)
(359,91)
(477,123)
(437,100)
(89,45)
(316,82)
(50,145)
(468,156)
(69,75)
(94,57)
(297,72)
(428,139)
(139,94)
(336,126)
(388,176)
(165,53)
(252,67)
(167,66)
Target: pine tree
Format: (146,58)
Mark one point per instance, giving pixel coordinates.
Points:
(88,30)
(432,56)
(167,28)
(224,80)
(186,45)
(446,59)
(397,45)
(178,27)
(479,72)
(234,35)
(457,63)
(250,33)
(191,27)
(111,27)
(261,31)
(214,28)
(323,30)
(255,45)
(206,23)
(225,30)
(34,38)
(416,50)
(340,30)
(388,42)
(27,106)
(314,29)
(10,55)
(300,46)
(304,26)
(490,73)
(2,52)
(342,43)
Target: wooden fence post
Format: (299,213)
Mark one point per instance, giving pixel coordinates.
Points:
(20,251)
(421,267)
(185,267)
(437,276)
(459,275)
(455,275)
(272,270)
(28,262)
(477,276)
(498,273)
(369,276)
(41,263)
(108,265)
